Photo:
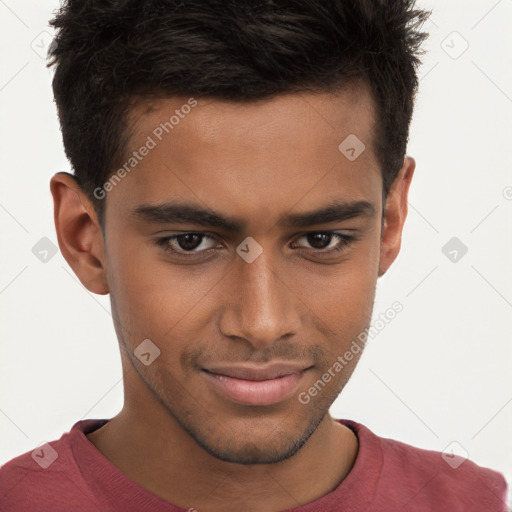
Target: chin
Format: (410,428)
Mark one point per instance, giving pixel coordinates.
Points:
(249,453)
(256,445)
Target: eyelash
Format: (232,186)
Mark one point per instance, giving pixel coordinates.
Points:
(345,242)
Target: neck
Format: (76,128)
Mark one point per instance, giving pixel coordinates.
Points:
(153,450)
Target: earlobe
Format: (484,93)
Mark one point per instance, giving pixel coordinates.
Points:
(79,233)
(394,216)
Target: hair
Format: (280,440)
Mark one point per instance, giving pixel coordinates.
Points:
(110,53)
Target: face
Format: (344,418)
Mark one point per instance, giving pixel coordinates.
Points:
(246,246)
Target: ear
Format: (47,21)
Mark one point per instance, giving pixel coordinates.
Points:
(79,232)
(395,214)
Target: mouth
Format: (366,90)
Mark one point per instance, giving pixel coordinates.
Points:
(256,386)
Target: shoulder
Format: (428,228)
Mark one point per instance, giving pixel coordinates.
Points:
(45,475)
(420,479)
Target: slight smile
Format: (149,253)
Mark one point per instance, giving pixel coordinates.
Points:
(256,386)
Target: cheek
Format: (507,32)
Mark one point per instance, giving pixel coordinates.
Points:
(136,285)
(342,307)
(153,298)
(344,293)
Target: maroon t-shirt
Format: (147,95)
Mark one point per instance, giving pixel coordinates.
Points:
(71,475)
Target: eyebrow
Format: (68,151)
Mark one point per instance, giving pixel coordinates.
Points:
(187,213)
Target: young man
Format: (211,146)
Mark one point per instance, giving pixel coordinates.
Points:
(240,184)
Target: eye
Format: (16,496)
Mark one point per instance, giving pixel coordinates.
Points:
(322,240)
(186,243)
(200,244)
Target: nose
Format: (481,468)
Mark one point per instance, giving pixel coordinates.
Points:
(262,307)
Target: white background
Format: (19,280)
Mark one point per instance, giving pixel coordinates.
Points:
(439,372)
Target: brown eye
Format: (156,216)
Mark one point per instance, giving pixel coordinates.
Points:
(319,240)
(186,243)
(189,241)
(322,240)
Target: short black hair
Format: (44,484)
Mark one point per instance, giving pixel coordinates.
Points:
(108,53)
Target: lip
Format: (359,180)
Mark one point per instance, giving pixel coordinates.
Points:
(250,385)
(254,372)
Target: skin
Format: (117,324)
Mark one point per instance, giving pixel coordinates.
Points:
(254,162)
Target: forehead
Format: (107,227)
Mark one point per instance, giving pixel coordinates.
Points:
(351,108)
(251,156)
